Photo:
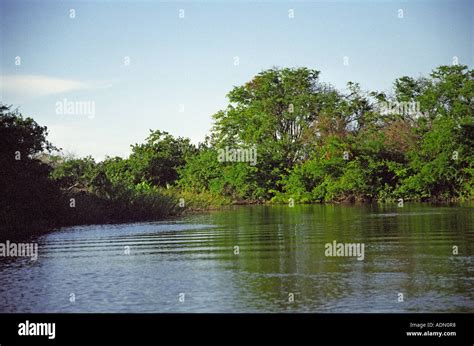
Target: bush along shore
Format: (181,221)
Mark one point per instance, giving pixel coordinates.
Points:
(284,137)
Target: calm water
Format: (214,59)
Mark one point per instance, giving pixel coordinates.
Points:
(282,250)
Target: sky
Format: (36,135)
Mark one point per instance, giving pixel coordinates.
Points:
(168,65)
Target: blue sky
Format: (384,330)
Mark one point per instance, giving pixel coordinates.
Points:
(182,68)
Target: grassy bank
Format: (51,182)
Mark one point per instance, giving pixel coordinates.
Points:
(81,207)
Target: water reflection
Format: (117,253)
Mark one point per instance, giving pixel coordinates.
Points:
(408,250)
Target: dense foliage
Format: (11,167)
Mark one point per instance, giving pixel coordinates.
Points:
(309,141)
(315,143)
(26,192)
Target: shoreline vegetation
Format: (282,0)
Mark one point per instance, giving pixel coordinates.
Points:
(285,137)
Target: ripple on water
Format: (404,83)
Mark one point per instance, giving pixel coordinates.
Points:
(281,250)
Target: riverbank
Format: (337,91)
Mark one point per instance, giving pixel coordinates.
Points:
(79,207)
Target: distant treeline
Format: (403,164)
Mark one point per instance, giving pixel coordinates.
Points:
(284,136)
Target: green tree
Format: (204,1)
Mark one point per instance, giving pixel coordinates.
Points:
(441,165)
(27,195)
(158,160)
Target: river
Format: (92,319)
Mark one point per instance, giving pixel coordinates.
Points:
(418,258)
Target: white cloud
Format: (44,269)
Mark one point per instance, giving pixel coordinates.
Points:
(38,85)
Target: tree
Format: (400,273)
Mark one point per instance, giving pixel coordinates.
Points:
(74,172)
(158,160)
(28,196)
(441,166)
(272,111)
